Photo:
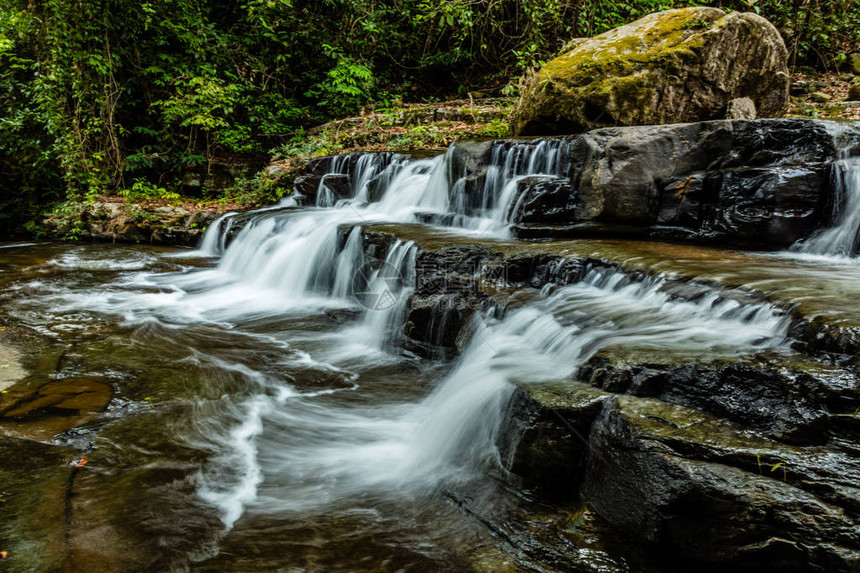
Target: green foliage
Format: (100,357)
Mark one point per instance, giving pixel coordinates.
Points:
(143,189)
(303,146)
(346,86)
(816,32)
(262,189)
(94,93)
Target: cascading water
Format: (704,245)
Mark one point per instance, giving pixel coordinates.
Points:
(215,240)
(304,410)
(312,455)
(361,170)
(310,259)
(318,409)
(488,208)
(386,187)
(296,256)
(840,240)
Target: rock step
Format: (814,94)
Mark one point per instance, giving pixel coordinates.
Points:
(780,395)
(465,272)
(762,184)
(684,480)
(748,463)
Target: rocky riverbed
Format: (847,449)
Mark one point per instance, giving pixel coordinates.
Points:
(384,373)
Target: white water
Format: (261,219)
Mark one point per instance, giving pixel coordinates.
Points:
(285,261)
(840,240)
(278,449)
(214,242)
(311,455)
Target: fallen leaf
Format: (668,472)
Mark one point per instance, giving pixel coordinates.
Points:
(4,554)
(82,462)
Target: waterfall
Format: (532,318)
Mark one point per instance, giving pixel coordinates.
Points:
(389,288)
(550,340)
(313,455)
(291,440)
(296,253)
(842,238)
(361,170)
(489,210)
(214,240)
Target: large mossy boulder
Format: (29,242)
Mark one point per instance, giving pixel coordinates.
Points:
(674,66)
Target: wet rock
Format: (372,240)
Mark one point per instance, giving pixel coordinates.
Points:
(307,186)
(448,291)
(434,323)
(376,243)
(319,166)
(567,538)
(785,402)
(469,162)
(696,488)
(767,207)
(42,413)
(544,199)
(338,185)
(822,336)
(544,444)
(854,91)
(666,67)
(376,188)
(760,184)
(653,473)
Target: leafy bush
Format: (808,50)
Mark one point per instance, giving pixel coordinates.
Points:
(92,92)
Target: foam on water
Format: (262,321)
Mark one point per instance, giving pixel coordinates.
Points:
(276,449)
(313,455)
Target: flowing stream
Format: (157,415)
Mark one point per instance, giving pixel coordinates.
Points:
(841,239)
(275,419)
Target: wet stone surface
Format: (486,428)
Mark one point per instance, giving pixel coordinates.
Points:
(53,408)
(638,407)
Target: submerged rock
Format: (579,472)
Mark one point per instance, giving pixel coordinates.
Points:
(673,66)
(54,407)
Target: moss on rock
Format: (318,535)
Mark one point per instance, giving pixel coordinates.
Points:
(677,65)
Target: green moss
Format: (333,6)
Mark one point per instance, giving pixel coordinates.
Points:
(624,50)
(610,79)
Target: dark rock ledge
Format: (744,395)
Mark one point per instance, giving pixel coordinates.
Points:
(748,463)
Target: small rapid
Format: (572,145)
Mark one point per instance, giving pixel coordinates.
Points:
(282,449)
(841,239)
(305,402)
(309,455)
